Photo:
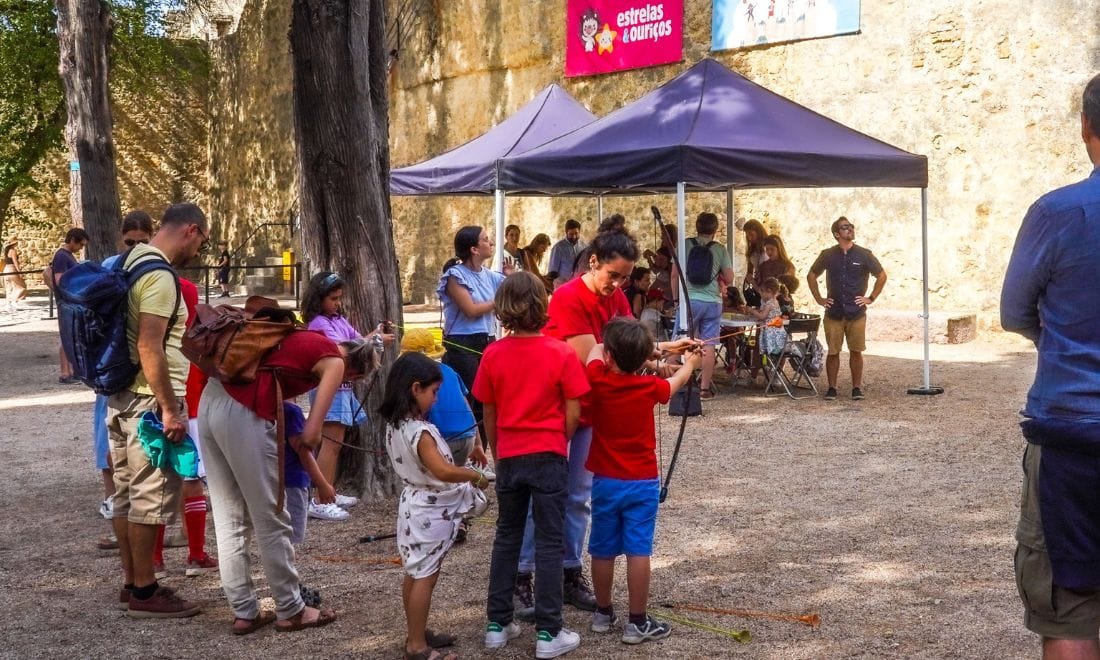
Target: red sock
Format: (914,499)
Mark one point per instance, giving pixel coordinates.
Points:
(194,517)
(158,548)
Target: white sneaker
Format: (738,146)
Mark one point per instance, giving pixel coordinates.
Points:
(552,647)
(346,502)
(498,636)
(107,508)
(326,512)
(602,623)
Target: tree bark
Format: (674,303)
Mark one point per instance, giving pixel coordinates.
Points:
(84,33)
(342,128)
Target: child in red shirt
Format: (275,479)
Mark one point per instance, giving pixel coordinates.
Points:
(623,460)
(530,386)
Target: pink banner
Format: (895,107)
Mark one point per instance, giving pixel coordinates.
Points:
(612,35)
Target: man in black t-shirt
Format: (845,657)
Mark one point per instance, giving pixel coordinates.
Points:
(63,260)
(224,260)
(846,267)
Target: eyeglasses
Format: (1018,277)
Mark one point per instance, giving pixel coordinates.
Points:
(205,237)
(130,242)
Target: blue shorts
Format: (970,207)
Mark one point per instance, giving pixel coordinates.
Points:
(345,408)
(624,517)
(708,320)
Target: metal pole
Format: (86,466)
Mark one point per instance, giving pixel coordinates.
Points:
(926,388)
(206,283)
(498,248)
(599,209)
(681,250)
(729,221)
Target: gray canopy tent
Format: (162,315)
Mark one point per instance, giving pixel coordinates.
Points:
(712,129)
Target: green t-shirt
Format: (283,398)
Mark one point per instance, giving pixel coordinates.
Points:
(720,260)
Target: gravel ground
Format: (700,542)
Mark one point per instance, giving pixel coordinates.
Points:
(891,518)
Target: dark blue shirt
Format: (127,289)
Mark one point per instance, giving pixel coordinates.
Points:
(62,261)
(845,278)
(294,473)
(1051,295)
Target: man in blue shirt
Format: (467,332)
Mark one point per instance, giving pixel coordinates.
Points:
(846,267)
(1051,296)
(564,253)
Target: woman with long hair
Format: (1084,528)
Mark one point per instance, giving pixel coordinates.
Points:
(777,262)
(466,291)
(532,255)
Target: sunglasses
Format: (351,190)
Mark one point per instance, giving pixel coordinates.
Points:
(130,242)
(846,227)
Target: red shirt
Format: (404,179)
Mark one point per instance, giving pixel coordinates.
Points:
(294,359)
(528,379)
(196,379)
(623,439)
(575,310)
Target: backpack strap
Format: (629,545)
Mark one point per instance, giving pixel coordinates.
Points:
(147,264)
(280,440)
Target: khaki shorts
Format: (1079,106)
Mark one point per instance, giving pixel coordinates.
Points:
(1049,610)
(837,331)
(143,494)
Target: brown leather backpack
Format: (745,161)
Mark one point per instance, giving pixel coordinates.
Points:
(228,343)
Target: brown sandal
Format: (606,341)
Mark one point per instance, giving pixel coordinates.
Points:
(294,623)
(261,620)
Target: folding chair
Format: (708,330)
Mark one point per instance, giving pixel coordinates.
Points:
(796,357)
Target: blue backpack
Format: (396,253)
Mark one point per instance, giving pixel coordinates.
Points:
(92,314)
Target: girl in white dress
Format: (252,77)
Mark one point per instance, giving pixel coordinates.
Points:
(437,493)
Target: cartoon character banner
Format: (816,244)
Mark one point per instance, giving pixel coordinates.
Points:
(613,35)
(741,23)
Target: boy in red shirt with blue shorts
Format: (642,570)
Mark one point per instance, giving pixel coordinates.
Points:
(530,386)
(623,460)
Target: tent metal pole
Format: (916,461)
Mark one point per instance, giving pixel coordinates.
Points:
(926,388)
(498,238)
(599,209)
(681,250)
(729,220)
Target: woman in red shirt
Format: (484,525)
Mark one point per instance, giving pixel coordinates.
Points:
(241,454)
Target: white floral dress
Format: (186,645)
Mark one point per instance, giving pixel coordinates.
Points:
(772,338)
(430,510)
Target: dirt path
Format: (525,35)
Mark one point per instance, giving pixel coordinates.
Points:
(892,518)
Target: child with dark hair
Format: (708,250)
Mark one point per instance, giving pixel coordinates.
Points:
(625,482)
(529,414)
(323,312)
(640,281)
(437,492)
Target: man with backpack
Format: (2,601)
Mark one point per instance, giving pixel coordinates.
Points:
(145,496)
(707,260)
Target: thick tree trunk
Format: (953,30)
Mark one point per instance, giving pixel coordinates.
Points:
(84,32)
(341,122)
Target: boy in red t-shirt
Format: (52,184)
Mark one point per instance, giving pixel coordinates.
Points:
(530,386)
(623,460)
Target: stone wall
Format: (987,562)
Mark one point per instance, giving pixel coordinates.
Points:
(988,90)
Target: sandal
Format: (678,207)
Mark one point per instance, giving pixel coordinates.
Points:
(439,640)
(706,394)
(296,622)
(429,654)
(262,619)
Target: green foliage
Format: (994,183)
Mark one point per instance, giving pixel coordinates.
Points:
(32,109)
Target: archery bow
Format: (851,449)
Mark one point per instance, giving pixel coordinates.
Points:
(691,333)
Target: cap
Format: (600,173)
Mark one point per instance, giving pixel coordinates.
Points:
(421,340)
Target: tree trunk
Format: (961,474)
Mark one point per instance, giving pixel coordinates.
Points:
(84,32)
(341,123)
